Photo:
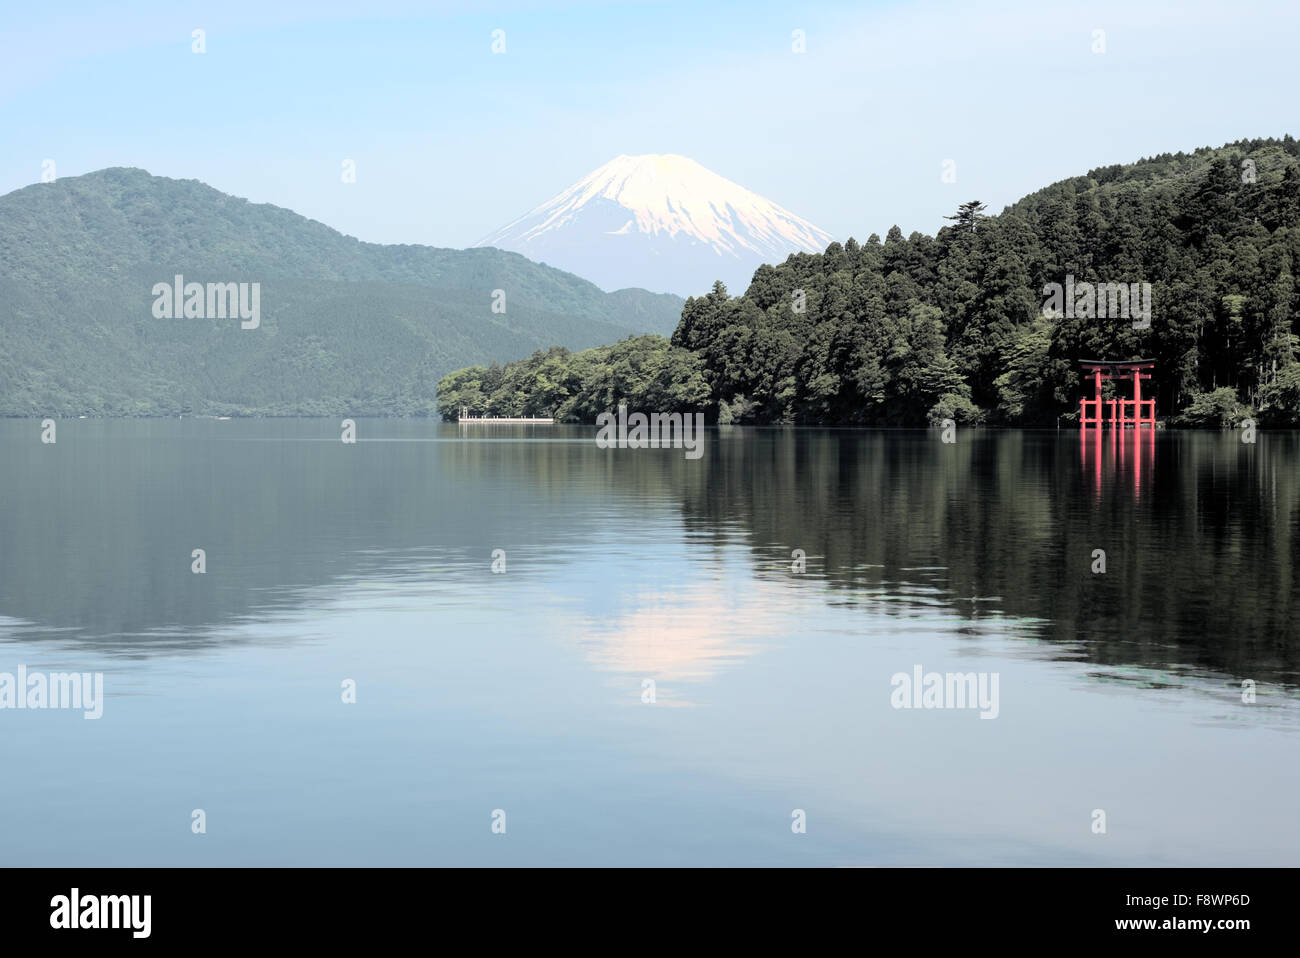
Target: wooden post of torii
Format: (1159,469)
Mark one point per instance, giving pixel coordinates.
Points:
(1100,372)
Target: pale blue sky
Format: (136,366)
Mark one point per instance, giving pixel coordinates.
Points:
(452,141)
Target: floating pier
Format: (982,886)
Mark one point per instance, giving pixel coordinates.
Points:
(505,420)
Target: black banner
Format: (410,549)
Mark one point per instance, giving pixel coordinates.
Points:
(978,907)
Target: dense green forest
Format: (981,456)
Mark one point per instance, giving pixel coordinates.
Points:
(346,327)
(921,328)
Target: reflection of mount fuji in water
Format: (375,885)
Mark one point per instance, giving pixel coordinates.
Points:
(684,634)
(662,223)
(998,526)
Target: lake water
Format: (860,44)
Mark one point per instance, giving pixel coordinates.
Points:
(526,691)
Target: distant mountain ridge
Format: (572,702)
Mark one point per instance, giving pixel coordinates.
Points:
(347,326)
(662,222)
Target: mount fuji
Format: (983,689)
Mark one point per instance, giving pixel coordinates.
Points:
(659,222)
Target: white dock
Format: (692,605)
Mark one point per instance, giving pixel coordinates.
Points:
(504,421)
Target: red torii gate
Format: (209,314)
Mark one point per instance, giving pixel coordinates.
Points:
(1144,410)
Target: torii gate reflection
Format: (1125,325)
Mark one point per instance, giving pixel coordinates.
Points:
(1138,445)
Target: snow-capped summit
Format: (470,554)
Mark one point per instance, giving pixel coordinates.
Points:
(661,222)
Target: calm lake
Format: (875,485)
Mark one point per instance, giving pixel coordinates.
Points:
(649,680)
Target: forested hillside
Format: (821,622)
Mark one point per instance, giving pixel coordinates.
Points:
(919,328)
(346,326)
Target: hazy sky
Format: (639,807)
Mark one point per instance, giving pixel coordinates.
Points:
(452,141)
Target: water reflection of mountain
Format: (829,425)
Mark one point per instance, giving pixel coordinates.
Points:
(96,531)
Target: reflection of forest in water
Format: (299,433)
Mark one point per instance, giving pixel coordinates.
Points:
(1200,530)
